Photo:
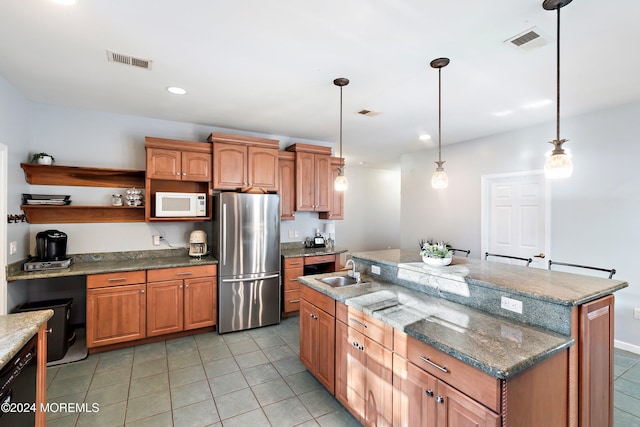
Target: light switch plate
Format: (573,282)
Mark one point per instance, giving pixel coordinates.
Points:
(636,313)
(13,248)
(375,269)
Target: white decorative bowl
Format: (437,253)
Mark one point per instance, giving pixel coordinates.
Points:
(436,262)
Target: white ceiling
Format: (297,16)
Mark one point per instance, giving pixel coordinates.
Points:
(269,66)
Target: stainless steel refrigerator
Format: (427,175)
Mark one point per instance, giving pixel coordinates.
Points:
(246,242)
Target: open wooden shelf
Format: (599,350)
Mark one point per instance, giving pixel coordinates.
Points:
(82,214)
(82,176)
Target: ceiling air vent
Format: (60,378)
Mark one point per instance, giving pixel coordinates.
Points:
(129,60)
(369,113)
(529,40)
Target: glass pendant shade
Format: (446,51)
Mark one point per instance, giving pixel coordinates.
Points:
(558,166)
(439,179)
(341,183)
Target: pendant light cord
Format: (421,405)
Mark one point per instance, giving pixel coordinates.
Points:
(341,158)
(558,81)
(439,117)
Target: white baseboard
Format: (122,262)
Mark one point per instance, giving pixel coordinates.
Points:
(626,346)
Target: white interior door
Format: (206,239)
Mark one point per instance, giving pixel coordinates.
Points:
(515,217)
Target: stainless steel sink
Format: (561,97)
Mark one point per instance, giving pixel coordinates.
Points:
(340,281)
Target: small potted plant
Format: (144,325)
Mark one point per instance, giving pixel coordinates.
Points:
(435,254)
(42,159)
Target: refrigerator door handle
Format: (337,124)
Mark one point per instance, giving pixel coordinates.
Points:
(250,279)
(224,234)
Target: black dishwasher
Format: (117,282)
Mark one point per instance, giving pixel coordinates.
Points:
(18,392)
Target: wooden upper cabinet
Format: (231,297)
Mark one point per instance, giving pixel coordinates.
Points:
(244,161)
(196,166)
(263,167)
(313,172)
(174,160)
(287,187)
(336,198)
(178,167)
(164,164)
(230,166)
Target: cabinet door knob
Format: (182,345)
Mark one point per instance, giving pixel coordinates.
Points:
(180,286)
(186,286)
(429,392)
(178,173)
(184,173)
(142,292)
(439,399)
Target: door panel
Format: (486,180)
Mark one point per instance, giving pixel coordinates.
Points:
(516,217)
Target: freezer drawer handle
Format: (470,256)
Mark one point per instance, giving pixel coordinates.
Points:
(250,279)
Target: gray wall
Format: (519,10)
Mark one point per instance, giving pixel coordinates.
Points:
(594,213)
(91,138)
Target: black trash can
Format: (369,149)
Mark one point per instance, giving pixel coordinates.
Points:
(58,339)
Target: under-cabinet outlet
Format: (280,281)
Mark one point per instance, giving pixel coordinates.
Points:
(156,240)
(291,234)
(13,248)
(511,305)
(636,313)
(375,269)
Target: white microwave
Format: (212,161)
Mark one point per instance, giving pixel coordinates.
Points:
(181,204)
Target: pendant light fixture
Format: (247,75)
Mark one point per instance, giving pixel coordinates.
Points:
(341,183)
(559,164)
(439,178)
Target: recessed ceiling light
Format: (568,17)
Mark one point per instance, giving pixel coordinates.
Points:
(537,104)
(176,90)
(502,113)
(424,137)
(65,2)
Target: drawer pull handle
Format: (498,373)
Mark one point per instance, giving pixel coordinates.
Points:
(295,279)
(48,331)
(295,263)
(435,365)
(116,279)
(357,322)
(294,300)
(439,399)
(184,273)
(429,392)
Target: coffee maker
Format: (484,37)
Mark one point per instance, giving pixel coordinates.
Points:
(51,245)
(197,243)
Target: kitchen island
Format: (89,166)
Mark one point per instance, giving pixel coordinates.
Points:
(16,331)
(565,332)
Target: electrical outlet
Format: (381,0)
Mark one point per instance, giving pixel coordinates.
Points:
(292,234)
(511,305)
(296,233)
(636,313)
(13,248)
(156,240)
(375,269)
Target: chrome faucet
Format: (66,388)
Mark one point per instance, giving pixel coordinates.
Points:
(352,273)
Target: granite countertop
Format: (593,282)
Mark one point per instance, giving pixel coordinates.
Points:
(294,252)
(17,329)
(110,262)
(495,345)
(553,286)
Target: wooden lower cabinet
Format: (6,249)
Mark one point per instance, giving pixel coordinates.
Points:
(363,376)
(420,399)
(317,337)
(116,314)
(292,268)
(180,304)
(596,362)
(164,307)
(130,306)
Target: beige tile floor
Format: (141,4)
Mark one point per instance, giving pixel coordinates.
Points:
(249,378)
